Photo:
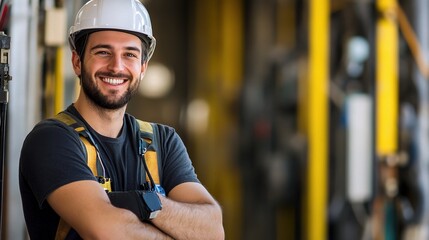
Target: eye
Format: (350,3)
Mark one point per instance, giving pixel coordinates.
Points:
(102,53)
(131,55)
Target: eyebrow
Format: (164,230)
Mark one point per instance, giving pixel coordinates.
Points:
(129,48)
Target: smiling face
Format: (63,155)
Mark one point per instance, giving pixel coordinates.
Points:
(111,69)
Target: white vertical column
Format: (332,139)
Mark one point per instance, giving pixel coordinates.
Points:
(359,148)
(22,108)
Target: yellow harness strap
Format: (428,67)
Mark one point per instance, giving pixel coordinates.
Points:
(152,163)
(150,157)
(62,230)
(91,153)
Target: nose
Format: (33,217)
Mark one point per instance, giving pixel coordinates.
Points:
(116,63)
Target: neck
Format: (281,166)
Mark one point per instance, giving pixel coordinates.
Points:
(106,122)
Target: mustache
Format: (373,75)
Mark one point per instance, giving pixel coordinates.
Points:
(113,75)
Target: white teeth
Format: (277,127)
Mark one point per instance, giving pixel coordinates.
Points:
(113,81)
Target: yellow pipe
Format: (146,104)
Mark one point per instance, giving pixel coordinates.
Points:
(387,79)
(318,120)
(386,97)
(48,92)
(231,75)
(59,81)
(232,46)
(218,59)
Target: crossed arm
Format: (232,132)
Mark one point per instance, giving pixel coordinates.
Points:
(189,212)
(193,214)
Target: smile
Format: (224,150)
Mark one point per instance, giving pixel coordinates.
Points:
(113,81)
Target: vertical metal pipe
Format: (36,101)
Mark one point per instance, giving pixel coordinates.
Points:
(387,99)
(387,79)
(318,119)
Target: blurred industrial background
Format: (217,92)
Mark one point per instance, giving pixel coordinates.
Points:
(306,119)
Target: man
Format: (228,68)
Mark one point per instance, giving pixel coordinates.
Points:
(111,43)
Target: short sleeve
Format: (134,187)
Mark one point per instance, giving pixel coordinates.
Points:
(52,156)
(177,166)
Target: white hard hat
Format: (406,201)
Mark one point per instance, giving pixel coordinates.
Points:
(121,15)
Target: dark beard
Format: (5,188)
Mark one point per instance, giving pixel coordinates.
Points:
(94,94)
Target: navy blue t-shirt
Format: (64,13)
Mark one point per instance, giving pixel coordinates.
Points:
(53,155)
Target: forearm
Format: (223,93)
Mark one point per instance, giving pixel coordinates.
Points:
(152,232)
(144,231)
(190,221)
(85,206)
(124,224)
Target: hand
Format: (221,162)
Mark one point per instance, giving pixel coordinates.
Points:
(145,204)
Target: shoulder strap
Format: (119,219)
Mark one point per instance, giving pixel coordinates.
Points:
(88,142)
(91,158)
(150,156)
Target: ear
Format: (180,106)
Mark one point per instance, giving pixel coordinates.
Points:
(76,63)
(143,70)
(144,67)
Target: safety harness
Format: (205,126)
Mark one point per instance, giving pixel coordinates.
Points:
(147,148)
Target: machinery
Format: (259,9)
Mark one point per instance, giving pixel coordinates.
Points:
(340,113)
